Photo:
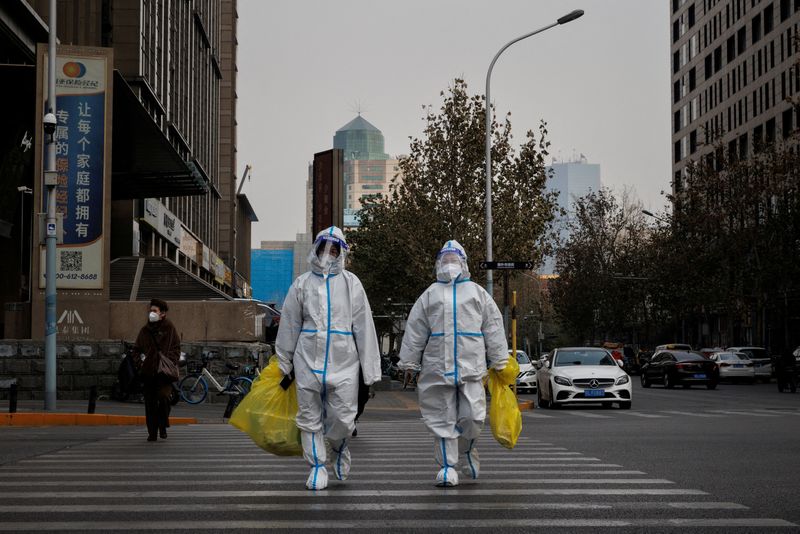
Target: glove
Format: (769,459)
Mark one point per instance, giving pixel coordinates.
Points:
(499,366)
(287,381)
(285,366)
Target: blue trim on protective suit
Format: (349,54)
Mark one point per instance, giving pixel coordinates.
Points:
(341,332)
(339,458)
(444,461)
(317,465)
(437,334)
(331,275)
(455,336)
(309,330)
(472,334)
(327,352)
(469,459)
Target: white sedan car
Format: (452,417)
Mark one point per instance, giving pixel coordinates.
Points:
(581,375)
(526,379)
(734,366)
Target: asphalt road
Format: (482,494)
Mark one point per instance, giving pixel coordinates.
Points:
(698,460)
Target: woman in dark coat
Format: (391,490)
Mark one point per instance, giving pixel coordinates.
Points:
(157,336)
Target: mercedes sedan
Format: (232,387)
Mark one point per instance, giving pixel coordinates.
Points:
(581,375)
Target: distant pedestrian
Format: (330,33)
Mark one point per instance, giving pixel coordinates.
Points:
(157,339)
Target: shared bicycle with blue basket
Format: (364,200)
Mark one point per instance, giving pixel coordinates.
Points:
(194,386)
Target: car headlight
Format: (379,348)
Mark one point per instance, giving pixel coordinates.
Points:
(562,380)
(622,380)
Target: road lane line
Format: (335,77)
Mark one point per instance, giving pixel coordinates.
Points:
(386,506)
(691,414)
(356,476)
(472,489)
(394,524)
(26,475)
(640,414)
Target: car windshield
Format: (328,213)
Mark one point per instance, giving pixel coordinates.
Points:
(688,356)
(583,357)
(755,353)
(728,356)
(522,358)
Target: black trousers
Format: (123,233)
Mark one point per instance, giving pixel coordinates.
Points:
(156,406)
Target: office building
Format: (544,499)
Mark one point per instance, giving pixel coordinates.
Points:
(731,75)
(173,224)
(368,170)
(571,180)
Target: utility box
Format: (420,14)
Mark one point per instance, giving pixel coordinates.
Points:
(59,229)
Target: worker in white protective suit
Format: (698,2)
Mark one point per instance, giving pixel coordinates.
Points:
(452,329)
(326,333)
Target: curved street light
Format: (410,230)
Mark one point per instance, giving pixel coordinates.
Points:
(654,216)
(569,17)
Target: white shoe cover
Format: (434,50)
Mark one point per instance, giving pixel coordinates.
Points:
(471,464)
(447,477)
(340,459)
(317,478)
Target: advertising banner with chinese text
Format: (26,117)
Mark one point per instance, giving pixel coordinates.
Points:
(81,137)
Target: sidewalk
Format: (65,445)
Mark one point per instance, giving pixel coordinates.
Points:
(108,412)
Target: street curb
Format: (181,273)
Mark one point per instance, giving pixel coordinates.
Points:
(80,419)
(525,405)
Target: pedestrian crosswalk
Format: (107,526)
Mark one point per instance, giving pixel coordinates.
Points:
(593,413)
(212,478)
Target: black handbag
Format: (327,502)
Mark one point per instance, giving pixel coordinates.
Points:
(166,367)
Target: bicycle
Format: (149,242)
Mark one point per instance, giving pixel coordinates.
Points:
(194,386)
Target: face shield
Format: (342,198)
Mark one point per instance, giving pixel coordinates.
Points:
(328,254)
(451,263)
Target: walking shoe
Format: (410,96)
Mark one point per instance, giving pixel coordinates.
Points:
(447,477)
(317,478)
(152,438)
(163,433)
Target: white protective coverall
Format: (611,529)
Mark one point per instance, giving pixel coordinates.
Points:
(452,329)
(326,332)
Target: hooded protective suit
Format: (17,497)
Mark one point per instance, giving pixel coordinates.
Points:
(326,333)
(452,329)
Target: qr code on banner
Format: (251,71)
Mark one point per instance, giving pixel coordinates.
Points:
(71,260)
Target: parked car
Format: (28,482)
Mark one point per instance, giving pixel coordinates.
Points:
(582,375)
(526,379)
(762,363)
(674,346)
(734,366)
(673,367)
(707,352)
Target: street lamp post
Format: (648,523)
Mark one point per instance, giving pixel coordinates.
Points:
(50,383)
(569,17)
(654,216)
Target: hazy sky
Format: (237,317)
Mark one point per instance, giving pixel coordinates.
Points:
(601,82)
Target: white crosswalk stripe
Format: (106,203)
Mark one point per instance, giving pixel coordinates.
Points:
(213,478)
(592,413)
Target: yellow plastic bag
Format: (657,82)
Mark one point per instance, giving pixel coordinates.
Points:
(505,418)
(267,414)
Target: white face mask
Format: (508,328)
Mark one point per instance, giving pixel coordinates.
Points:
(153,317)
(326,260)
(451,271)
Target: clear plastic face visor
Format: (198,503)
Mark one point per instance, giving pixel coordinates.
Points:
(329,251)
(450,263)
